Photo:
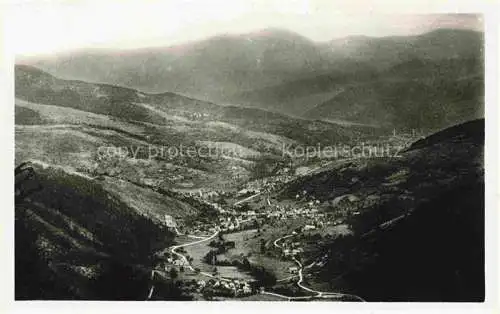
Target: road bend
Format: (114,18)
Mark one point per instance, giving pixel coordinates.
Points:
(318,294)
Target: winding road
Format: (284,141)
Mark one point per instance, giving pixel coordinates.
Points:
(183,257)
(318,294)
(188,265)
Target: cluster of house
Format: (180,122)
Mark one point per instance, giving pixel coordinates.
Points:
(233,221)
(289,212)
(228,223)
(292,248)
(201,228)
(268,183)
(223,287)
(230,220)
(171,259)
(206,194)
(176,262)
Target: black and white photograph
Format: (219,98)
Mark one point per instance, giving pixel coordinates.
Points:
(247,151)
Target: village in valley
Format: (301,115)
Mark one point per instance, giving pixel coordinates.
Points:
(266,231)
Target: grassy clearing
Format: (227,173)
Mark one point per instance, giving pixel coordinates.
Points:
(197,252)
(248,243)
(64,115)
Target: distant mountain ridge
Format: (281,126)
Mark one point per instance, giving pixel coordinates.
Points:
(356,78)
(283,55)
(415,94)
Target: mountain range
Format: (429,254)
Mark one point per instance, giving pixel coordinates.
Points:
(277,70)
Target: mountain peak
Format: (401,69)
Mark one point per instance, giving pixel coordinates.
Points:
(278,33)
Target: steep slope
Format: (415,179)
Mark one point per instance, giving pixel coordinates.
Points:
(77,240)
(35,85)
(409,99)
(417,221)
(299,96)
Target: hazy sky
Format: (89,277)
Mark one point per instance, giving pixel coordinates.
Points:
(52,26)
